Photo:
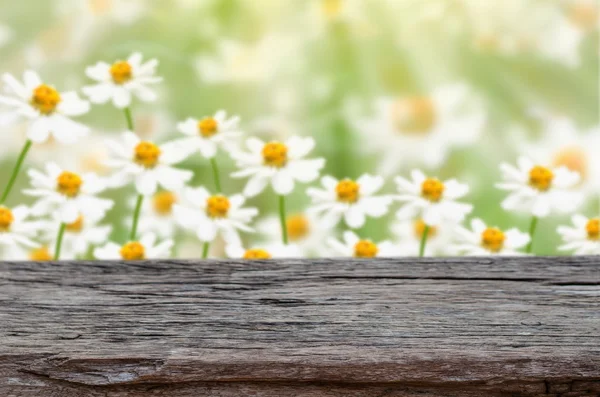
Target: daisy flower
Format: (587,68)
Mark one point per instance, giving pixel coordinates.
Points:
(48,110)
(122,80)
(565,144)
(484,240)
(39,254)
(148,164)
(305,230)
(68,193)
(354,246)
(279,163)
(207,134)
(263,252)
(583,238)
(157,215)
(401,127)
(409,234)
(16,230)
(80,235)
(539,190)
(352,200)
(431,200)
(209,215)
(146,248)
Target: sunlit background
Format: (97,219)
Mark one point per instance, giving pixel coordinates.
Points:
(517,77)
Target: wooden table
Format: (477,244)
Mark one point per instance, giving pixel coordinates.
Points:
(389,327)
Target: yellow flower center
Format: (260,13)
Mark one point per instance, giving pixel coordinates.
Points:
(492,239)
(6,219)
(100,7)
(275,154)
(121,72)
(593,229)
(68,184)
(40,254)
(414,115)
(45,99)
(347,191)
(585,16)
(419,227)
(76,226)
(146,154)
(298,227)
(432,189)
(133,251)
(331,8)
(365,249)
(574,158)
(208,127)
(217,206)
(257,253)
(540,178)
(487,42)
(163,202)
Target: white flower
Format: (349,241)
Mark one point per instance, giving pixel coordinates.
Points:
(48,110)
(431,200)
(122,80)
(209,215)
(16,230)
(409,233)
(208,134)
(562,38)
(353,246)
(402,127)
(240,62)
(266,252)
(68,193)
(539,190)
(40,253)
(564,144)
(584,238)
(483,240)
(352,200)
(278,163)
(148,164)
(307,231)
(145,248)
(79,236)
(157,215)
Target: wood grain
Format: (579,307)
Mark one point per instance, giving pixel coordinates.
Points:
(328,327)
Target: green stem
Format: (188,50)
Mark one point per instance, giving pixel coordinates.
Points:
(15,171)
(136,217)
(216,176)
(282,219)
(423,241)
(129,118)
(532,227)
(59,240)
(205,248)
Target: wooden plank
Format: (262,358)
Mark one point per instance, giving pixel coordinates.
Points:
(329,327)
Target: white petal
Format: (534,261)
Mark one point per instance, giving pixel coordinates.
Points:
(283,183)
(146,183)
(354,217)
(99,93)
(121,97)
(207,230)
(172,178)
(255,185)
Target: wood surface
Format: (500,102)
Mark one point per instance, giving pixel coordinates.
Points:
(329,327)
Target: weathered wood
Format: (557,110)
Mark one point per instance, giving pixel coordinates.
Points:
(395,327)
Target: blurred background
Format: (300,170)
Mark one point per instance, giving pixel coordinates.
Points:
(472,83)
